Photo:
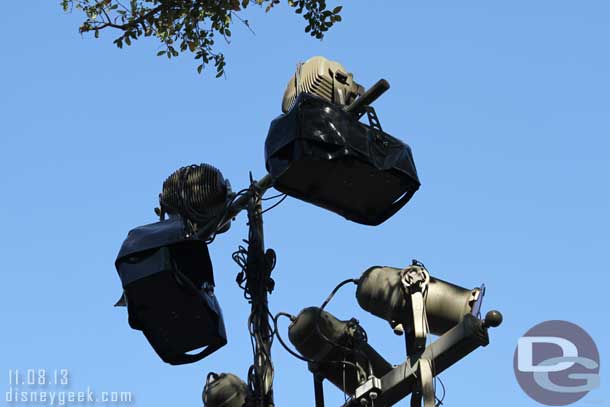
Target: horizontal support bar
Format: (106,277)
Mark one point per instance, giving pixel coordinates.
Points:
(447,350)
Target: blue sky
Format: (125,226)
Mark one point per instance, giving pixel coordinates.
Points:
(505,105)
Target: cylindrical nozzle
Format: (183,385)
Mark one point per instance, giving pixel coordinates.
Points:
(372,94)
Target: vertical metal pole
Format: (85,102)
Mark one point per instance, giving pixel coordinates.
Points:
(259,284)
(318,386)
(413,355)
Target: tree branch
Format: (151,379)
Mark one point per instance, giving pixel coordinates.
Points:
(131,24)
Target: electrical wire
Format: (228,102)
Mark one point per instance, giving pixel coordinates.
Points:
(222,217)
(205,387)
(272,197)
(261,372)
(440,402)
(279,337)
(275,204)
(334,291)
(354,324)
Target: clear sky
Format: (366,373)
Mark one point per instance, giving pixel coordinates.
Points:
(505,105)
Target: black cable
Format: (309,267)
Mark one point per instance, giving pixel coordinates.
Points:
(270,315)
(252,325)
(324,337)
(261,372)
(279,337)
(224,214)
(205,387)
(240,257)
(275,204)
(440,402)
(272,197)
(334,291)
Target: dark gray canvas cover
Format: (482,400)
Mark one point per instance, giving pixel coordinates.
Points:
(168,284)
(319,153)
(169,232)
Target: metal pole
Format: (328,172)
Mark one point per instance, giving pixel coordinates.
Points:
(318,386)
(259,284)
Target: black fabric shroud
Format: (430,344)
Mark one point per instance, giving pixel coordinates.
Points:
(321,154)
(168,280)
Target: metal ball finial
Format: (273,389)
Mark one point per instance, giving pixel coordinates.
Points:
(492,319)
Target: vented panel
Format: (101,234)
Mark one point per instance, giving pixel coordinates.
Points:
(318,76)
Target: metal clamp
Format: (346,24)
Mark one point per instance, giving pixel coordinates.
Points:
(415,281)
(368,392)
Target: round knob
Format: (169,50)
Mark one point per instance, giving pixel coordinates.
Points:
(492,319)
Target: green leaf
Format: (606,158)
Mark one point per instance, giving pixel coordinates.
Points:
(183,26)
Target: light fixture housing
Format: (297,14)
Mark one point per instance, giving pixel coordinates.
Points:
(198,193)
(329,342)
(224,390)
(168,285)
(382,293)
(324,78)
(319,153)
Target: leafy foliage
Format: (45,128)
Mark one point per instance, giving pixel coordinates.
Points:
(188,25)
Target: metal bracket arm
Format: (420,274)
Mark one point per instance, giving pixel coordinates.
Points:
(447,350)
